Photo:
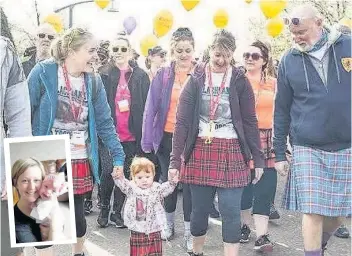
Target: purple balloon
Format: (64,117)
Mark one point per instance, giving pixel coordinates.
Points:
(129,24)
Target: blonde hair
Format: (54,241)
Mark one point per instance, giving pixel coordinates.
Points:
(140,164)
(225,40)
(73,39)
(21,165)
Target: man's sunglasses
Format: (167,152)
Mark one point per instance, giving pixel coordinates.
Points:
(293,21)
(42,35)
(255,56)
(117,49)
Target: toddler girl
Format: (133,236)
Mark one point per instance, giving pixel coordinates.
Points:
(144,213)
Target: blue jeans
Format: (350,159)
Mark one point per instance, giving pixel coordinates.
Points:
(229,207)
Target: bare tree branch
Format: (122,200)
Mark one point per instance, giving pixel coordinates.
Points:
(37,12)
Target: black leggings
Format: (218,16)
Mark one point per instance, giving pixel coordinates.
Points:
(262,193)
(107,183)
(81,223)
(170,201)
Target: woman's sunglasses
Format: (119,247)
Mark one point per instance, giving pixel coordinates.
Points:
(254,56)
(117,49)
(42,35)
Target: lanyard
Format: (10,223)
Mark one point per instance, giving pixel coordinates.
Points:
(69,91)
(214,101)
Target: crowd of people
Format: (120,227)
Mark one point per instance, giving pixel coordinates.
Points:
(216,130)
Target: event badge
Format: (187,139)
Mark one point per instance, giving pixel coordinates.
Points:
(78,138)
(123,105)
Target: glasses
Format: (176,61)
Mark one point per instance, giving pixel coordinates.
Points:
(42,35)
(293,21)
(254,56)
(117,49)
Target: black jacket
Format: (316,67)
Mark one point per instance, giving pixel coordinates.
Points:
(29,60)
(139,86)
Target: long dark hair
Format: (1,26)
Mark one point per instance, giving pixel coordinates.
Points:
(268,67)
(4,25)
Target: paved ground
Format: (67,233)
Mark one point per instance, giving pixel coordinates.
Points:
(285,233)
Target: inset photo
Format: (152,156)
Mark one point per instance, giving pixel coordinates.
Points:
(40,190)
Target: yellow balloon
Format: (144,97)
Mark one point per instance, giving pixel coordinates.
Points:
(274,26)
(272,8)
(163,22)
(221,18)
(56,21)
(346,22)
(189,4)
(102,3)
(147,43)
(248,1)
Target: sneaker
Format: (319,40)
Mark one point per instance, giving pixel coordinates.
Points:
(80,254)
(263,244)
(168,234)
(245,234)
(103,218)
(88,207)
(324,248)
(188,242)
(193,254)
(342,232)
(214,213)
(274,214)
(117,220)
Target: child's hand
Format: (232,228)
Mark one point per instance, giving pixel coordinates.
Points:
(117,172)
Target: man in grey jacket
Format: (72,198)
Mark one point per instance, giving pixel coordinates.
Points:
(15,109)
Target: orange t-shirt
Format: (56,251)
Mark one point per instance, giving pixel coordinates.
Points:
(180,81)
(264,94)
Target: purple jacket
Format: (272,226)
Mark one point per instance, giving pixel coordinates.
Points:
(243,114)
(156,108)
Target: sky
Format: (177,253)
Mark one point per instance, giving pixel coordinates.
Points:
(105,24)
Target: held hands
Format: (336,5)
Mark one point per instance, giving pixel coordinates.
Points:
(173,175)
(117,173)
(258,175)
(282,167)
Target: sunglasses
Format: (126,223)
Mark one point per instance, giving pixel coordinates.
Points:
(293,21)
(117,49)
(42,35)
(254,56)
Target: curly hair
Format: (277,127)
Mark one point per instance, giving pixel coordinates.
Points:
(181,34)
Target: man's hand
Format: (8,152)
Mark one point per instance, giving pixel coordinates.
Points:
(117,173)
(173,175)
(282,167)
(258,175)
(4,192)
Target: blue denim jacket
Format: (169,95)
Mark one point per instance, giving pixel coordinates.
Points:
(43,87)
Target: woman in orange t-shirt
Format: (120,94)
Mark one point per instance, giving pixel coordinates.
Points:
(256,62)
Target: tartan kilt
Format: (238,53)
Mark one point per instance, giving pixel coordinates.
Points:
(266,141)
(81,176)
(319,182)
(145,245)
(219,164)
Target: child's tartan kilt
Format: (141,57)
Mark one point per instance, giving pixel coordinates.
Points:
(145,245)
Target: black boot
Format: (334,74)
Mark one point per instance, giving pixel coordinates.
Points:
(116,215)
(103,218)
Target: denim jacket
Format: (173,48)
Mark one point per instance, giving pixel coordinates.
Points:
(43,87)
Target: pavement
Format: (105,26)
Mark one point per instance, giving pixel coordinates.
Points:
(285,233)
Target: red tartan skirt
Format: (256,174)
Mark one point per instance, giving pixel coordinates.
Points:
(219,164)
(81,176)
(146,245)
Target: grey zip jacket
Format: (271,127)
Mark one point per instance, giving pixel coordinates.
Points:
(15,107)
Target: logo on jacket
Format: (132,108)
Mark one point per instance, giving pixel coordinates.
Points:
(347,64)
